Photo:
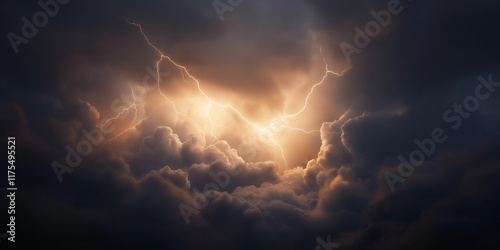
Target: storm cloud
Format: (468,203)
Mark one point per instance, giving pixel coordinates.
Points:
(175,170)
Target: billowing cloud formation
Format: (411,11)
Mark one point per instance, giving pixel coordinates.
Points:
(184,181)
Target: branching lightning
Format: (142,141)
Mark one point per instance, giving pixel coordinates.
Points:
(124,131)
(133,105)
(268,130)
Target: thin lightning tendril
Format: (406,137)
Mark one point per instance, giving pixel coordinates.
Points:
(133,105)
(124,131)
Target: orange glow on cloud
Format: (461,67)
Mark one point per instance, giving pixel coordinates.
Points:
(228,117)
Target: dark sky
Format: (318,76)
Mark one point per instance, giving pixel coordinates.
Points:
(375,124)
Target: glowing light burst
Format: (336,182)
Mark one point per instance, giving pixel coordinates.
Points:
(268,130)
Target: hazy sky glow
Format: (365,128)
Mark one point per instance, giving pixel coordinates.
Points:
(262,125)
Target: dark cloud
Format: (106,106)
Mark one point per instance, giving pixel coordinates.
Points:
(126,193)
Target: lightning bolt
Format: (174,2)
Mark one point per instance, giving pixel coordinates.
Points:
(311,91)
(124,131)
(157,66)
(133,105)
(297,129)
(211,103)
